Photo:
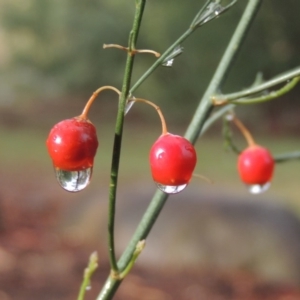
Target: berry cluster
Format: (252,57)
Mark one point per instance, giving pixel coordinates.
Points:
(72,146)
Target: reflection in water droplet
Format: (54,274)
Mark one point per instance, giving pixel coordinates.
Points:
(258,188)
(171,189)
(73,181)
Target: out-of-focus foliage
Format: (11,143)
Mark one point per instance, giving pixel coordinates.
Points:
(51,48)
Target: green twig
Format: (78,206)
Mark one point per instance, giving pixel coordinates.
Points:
(270,96)
(88,272)
(167,52)
(285,157)
(216,116)
(285,77)
(138,250)
(227,136)
(205,106)
(140,5)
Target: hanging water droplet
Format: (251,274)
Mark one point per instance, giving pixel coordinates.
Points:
(88,287)
(73,181)
(258,188)
(128,105)
(171,189)
(212,11)
(169,60)
(218,10)
(168,63)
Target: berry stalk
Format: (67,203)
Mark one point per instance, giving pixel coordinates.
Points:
(157,108)
(93,97)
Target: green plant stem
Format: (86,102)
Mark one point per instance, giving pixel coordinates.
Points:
(270,96)
(193,131)
(280,158)
(88,272)
(161,59)
(140,5)
(216,116)
(205,106)
(260,87)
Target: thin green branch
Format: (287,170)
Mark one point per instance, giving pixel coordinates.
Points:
(167,53)
(270,96)
(287,76)
(140,5)
(205,106)
(285,157)
(215,117)
(88,272)
(227,136)
(138,250)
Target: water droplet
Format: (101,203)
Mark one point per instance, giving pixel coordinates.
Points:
(73,181)
(168,63)
(229,117)
(128,105)
(213,10)
(169,60)
(88,287)
(171,189)
(258,188)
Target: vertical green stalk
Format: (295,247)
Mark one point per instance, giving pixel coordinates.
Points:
(140,5)
(192,134)
(222,71)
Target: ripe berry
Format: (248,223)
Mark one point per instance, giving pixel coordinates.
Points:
(255,165)
(72,144)
(172,160)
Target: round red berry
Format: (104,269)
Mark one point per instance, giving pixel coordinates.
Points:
(172,160)
(72,144)
(255,165)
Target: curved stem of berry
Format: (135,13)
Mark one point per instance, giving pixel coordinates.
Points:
(208,180)
(132,51)
(248,136)
(157,108)
(93,97)
(155,53)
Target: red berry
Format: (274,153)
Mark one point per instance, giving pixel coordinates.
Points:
(172,160)
(72,144)
(255,165)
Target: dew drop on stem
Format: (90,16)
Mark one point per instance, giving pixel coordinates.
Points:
(213,10)
(168,63)
(169,60)
(171,189)
(258,188)
(73,181)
